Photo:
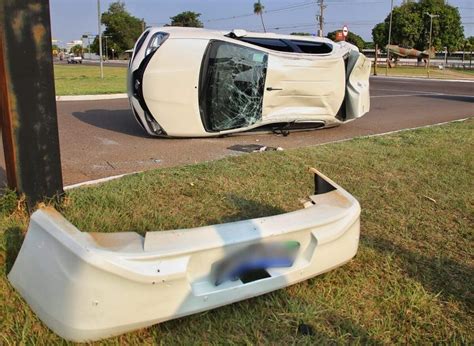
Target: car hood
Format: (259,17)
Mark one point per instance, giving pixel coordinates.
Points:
(170,86)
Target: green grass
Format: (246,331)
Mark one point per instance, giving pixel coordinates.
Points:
(412,71)
(411,282)
(85,80)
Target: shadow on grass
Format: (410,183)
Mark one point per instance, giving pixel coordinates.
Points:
(448,278)
(349,328)
(247,209)
(13,240)
(117,120)
(248,318)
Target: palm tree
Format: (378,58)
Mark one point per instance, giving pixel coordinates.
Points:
(258,10)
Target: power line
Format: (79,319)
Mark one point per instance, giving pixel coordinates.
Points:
(286,8)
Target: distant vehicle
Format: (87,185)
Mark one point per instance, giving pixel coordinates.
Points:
(188,82)
(400,52)
(74,59)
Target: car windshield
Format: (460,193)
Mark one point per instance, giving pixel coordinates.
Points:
(232,86)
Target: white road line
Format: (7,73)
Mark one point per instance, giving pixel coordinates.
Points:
(425,79)
(402,95)
(404,90)
(424,94)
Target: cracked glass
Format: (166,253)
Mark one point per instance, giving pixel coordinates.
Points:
(232,86)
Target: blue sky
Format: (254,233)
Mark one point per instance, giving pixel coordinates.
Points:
(71,18)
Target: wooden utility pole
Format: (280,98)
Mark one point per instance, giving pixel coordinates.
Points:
(321,17)
(27,100)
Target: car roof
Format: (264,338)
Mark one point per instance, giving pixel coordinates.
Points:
(200,33)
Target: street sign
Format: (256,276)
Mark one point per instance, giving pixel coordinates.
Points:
(345,30)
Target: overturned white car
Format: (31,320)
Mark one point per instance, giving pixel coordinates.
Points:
(187,82)
(88,286)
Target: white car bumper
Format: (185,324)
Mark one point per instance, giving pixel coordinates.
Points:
(88,286)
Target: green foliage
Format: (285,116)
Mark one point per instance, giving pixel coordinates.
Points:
(468,43)
(123,29)
(8,202)
(351,38)
(258,8)
(77,50)
(369,45)
(411,26)
(187,19)
(380,34)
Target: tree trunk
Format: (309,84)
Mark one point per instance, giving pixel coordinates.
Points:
(263,24)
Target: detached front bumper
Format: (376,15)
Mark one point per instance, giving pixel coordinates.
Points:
(89,286)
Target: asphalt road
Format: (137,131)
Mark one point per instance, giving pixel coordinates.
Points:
(100,138)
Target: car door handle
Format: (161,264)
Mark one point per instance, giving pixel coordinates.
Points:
(273,89)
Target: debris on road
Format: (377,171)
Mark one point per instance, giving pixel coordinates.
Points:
(253,148)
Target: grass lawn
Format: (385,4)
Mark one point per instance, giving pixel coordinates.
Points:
(85,80)
(411,282)
(412,71)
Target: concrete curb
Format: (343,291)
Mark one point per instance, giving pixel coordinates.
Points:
(424,79)
(91,97)
(98,181)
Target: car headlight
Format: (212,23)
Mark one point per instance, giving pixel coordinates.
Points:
(155,42)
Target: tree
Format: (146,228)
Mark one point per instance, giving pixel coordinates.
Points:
(411,26)
(122,28)
(468,47)
(355,39)
(258,10)
(187,19)
(76,50)
(380,34)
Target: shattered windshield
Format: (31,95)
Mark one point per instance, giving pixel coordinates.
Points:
(232,85)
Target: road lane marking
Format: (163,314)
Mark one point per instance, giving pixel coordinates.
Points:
(424,79)
(424,94)
(405,95)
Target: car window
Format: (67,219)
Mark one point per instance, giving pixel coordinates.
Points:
(232,86)
(269,43)
(313,47)
(140,41)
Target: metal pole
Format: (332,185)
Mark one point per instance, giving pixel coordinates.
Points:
(389,37)
(106,55)
(100,40)
(431,30)
(429,49)
(27,101)
(376,56)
